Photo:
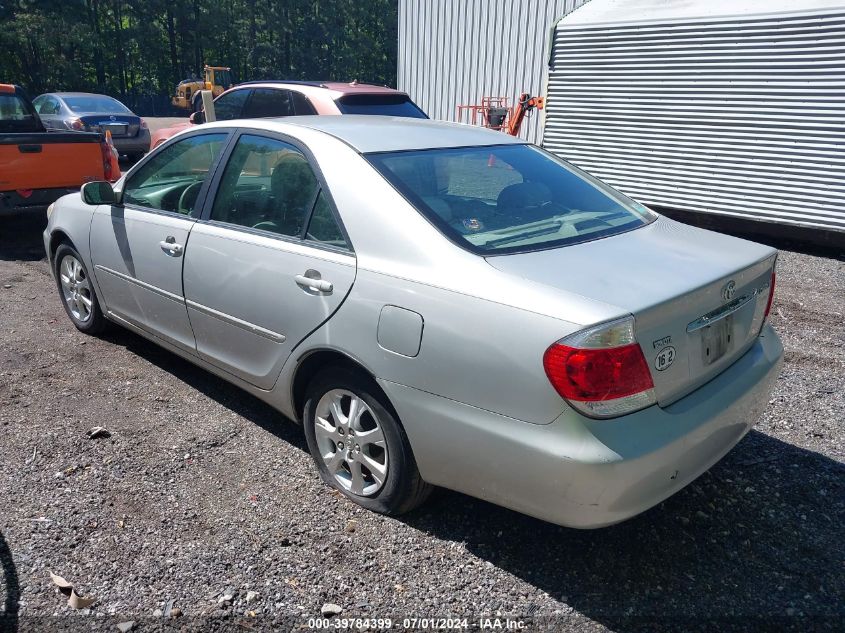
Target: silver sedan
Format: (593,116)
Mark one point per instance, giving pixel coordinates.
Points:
(95,113)
(438,305)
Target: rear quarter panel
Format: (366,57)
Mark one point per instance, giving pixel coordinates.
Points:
(472,350)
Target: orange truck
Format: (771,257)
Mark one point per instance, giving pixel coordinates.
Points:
(37,167)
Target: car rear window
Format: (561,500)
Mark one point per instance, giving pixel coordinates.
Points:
(383,104)
(96,105)
(15,115)
(508,198)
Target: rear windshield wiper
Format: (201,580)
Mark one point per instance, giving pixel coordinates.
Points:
(552,228)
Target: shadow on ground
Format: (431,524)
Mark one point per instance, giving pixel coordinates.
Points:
(20,236)
(10,591)
(225,393)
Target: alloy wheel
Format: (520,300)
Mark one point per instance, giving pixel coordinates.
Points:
(351,442)
(76,288)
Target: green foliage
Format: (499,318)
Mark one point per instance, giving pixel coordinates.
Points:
(143,48)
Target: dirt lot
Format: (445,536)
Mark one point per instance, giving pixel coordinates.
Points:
(202,493)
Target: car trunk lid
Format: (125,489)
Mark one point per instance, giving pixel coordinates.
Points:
(120,125)
(698,298)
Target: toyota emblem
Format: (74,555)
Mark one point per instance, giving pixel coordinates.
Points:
(729,290)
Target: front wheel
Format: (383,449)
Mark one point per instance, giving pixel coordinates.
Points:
(359,446)
(77,292)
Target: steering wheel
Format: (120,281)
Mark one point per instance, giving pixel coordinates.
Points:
(192,190)
(267,225)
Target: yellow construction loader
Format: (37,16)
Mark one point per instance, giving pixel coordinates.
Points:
(217,79)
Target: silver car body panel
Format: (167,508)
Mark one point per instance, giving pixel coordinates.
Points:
(246,308)
(466,374)
(588,473)
(631,271)
(141,281)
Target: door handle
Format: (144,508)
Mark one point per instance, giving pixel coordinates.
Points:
(320,285)
(169,246)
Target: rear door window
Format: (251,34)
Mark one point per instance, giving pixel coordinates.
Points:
(267,185)
(301,104)
(269,102)
(16,115)
(323,227)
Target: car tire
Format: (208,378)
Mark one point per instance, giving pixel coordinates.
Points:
(77,292)
(340,457)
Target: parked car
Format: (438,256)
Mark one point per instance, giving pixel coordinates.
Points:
(437,304)
(259,99)
(95,113)
(38,167)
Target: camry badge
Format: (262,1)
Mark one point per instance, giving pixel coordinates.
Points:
(729,290)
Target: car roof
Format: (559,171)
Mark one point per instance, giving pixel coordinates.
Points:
(373,133)
(336,86)
(77,94)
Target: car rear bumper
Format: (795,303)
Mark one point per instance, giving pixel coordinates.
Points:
(134,144)
(37,201)
(588,473)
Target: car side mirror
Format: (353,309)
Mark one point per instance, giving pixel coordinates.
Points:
(98,192)
(196,118)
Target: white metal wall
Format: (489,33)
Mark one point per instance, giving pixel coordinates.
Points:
(454,52)
(735,115)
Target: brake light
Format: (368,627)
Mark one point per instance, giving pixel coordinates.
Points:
(601,371)
(105,150)
(144,125)
(76,124)
(771,296)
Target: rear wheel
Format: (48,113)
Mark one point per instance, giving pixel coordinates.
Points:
(358,444)
(77,291)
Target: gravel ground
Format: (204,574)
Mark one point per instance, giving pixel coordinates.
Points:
(203,493)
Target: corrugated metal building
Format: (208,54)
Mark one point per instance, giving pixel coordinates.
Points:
(732,107)
(454,52)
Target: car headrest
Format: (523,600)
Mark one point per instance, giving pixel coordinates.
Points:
(439,206)
(524,195)
(292,182)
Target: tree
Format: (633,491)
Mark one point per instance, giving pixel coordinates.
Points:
(134,49)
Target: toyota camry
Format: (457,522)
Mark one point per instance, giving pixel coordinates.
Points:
(437,305)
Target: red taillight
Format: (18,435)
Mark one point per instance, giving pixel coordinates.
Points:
(144,125)
(601,371)
(77,124)
(105,150)
(597,374)
(771,296)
